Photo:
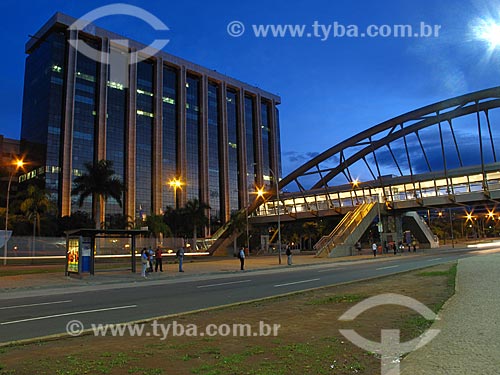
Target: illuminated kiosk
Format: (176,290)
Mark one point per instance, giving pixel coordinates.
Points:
(80,258)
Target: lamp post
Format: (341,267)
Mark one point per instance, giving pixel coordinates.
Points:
(278,212)
(175,184)
(18,164)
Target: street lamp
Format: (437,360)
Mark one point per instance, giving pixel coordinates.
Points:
(17,164)
(278,212)
(175,184)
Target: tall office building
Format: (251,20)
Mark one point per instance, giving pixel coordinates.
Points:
(158,119)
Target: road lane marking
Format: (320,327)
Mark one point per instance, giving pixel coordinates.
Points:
(430,260)
(332,269)
(68,314)
(35,304)
(386,268)
(228,283)
(296,282)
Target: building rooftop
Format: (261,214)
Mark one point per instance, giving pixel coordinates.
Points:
(64,20)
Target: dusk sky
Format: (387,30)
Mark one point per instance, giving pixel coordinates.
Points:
(330,89)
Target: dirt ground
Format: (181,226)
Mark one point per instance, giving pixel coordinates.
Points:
(308,340)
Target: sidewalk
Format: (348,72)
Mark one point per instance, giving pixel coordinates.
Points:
(193,267)
(469,342)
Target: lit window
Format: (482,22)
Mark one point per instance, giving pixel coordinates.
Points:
(56,68)
(115,85)
(144,113)
(142,92)
(168,100)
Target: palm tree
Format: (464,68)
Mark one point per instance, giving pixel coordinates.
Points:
(36,203)
(196,213)
(99,182)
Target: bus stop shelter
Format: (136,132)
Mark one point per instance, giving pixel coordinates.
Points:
(80,247)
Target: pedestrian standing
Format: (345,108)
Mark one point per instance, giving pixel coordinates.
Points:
(289,255)
(180,256)
(241,255)
(144,262)
(158,260)
(374,249)
(151,256)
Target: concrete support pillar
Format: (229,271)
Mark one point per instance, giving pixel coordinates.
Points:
(130,178)
(224,194)
(204,194)
(67,154)
(242,151)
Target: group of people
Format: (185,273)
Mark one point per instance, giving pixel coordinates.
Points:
(387,247)
(242,253)
(148,257)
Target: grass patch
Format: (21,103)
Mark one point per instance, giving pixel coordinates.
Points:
(347,298)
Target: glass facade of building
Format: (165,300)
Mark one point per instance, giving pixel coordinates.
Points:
(170,134)
(250,139)
(42,107)
(144,138)
(214,177)
(177,125)
(116,123)
(232,147)
(192,174)
(266,143)
(84,119)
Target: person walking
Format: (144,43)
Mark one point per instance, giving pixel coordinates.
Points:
(374,249)
(180,256)
(144,263)
(241,255)
(289,255)
(158,260)
(358,247)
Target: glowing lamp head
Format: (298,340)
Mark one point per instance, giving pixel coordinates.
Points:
(260,192)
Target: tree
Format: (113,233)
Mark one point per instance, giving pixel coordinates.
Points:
(119,221)
(98,182)
(310,229)
(36,203)
(157,226)
(196,212)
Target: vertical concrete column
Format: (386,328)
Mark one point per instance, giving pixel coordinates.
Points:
(224,170)
(259,156)
(181,141)
(102,100)
(130,179)
(67,154)
(398,221)
(204,140)
(242,150)
(157,175)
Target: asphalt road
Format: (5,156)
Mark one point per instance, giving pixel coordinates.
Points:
(42,315)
